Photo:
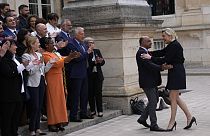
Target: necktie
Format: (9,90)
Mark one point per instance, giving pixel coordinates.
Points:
(68,35)
(15,32)
(83,49)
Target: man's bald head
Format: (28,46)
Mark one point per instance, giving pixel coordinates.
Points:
(41,30)
(145,42)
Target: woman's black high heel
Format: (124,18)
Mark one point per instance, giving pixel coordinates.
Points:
(171,129)
(191,122)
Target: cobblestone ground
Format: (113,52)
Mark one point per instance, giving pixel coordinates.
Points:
(198,101)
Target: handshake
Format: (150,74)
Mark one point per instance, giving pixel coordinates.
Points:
(166,66)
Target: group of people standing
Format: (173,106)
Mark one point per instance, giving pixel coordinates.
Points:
(150,63)
(45,70)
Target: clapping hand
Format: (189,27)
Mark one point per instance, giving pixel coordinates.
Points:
(25,63)
(61,44)
(36,62)
(4,48)
(99,60)
(74,54)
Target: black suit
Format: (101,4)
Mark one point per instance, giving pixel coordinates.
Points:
(95,81)
(149,79)
(10,97)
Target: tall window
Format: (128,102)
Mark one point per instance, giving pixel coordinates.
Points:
(162,7)
(158,44)
(41,7)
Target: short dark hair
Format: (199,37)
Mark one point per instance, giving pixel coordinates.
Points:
(21,35)
(141,40)
(3,5)
(43,41)
(52,16)
(40,20)
(21,7)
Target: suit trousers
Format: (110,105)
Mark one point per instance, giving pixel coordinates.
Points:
(150,110)
(10,118)
(35,103)
(95,92)
(78,96)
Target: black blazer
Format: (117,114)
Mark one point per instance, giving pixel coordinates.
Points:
(171,54)
(98,66)
(11,81)
(149,72)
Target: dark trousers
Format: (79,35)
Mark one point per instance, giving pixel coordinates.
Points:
(78,96)
(10,117)
(150,110)
(95,92)
(68,87)
(35,102)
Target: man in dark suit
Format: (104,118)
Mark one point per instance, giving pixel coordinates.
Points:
(10,30)
(78,94)
(149,79)
(4,8)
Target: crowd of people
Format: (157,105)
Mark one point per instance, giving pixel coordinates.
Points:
(45,71)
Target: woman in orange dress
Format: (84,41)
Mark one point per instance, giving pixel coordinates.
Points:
(56,102)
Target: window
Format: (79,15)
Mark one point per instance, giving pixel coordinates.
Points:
(158,44)
(41,7)
(162,7)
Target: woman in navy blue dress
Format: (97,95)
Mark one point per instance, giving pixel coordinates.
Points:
(173,54)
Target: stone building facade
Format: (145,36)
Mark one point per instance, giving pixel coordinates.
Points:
(192,24)
(117,26)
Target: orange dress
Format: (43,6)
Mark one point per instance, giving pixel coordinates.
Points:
(56,102)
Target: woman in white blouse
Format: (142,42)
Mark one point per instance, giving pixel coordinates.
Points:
(36,82)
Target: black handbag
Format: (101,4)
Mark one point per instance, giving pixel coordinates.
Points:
(164,93)
(137,106)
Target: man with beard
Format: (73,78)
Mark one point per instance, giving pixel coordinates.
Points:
(23,15)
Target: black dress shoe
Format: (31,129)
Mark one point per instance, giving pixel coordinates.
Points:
(75,120)
(144,123)
(53,128)
(86,117)
(158,129)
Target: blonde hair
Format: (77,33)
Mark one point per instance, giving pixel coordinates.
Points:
(170,32)
(30,40)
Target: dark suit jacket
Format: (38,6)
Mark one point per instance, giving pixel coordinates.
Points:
(171,54)
(7,32)
(77,68)
(149,72)
(10,81)
(62,36)
(23,22)
(92,64)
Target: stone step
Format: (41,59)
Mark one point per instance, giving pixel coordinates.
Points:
(72,126)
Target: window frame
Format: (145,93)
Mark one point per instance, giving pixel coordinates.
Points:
(158,44)
(162,9)
(39,4)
